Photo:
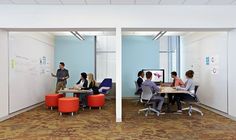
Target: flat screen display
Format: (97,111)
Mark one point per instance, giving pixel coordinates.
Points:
(157,75)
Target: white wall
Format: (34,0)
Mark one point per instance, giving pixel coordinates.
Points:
(213,87)
(232,73)
(132,16)
(3,73)
(29,77)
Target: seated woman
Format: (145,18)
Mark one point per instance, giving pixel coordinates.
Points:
(188,86)
(91,84)
(139,82)
(83,82)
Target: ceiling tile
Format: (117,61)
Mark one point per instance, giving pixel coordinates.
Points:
(196,2)
(23,1)
(220,2)
(123,2)
(48,1)
(172,2)
(98,2)
(73,1)
(148,2)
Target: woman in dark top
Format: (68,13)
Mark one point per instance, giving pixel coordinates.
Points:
(139,82)
(83,82)
(140,78)
(92,85)
(90,82)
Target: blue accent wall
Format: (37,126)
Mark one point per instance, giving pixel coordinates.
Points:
(138,52)
(77,55)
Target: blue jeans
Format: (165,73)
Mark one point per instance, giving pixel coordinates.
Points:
(157,102)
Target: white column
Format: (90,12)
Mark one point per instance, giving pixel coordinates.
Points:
(3,73)
(231,73)
(118,75)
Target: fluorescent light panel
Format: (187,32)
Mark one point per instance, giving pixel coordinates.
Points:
(159,35)
(76,34)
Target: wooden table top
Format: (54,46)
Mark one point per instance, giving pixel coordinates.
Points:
(74,91)
(172,90)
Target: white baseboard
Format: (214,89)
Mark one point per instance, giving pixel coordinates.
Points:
(217,111)
(20,111)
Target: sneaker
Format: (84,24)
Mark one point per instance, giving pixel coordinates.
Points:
(162,113)
(179,111)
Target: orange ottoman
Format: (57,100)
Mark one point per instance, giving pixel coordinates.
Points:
(67,105)
(96,100)
(51,100)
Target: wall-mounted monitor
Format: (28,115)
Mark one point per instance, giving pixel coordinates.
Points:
(158,75)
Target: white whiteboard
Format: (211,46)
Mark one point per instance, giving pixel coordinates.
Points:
(30,65)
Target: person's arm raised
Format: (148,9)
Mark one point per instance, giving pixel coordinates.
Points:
(53,75)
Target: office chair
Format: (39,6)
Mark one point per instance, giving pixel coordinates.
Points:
(105,87)
(195,100)
(146,98)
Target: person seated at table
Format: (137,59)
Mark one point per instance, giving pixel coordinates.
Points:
(176,82)
(83,82)
(156,98)
(139,82)
(188,86)
(92,85)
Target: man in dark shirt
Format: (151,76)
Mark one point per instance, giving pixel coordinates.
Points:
(62,76)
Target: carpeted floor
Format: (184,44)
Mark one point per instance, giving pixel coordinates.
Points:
(44,124)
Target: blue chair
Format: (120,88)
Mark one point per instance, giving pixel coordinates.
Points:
(105,86)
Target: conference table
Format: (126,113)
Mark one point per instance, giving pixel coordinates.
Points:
(169,90)
(74,91)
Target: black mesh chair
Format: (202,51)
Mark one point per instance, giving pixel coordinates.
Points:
(192,101)
(137,93)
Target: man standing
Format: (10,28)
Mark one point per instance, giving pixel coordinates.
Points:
(62,76)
